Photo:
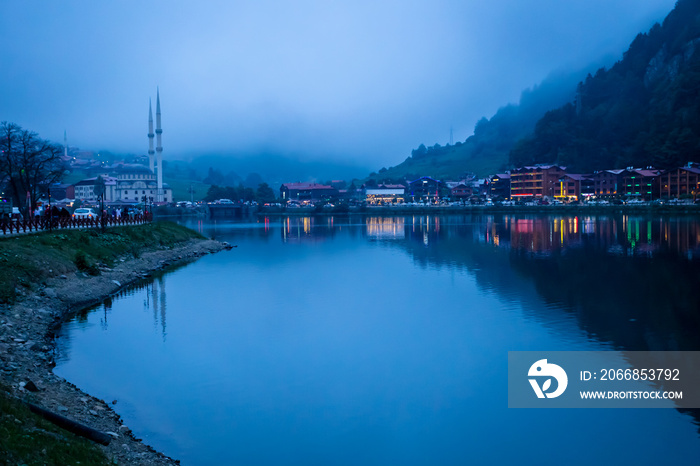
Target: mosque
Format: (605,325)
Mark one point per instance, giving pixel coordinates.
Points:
(133,181)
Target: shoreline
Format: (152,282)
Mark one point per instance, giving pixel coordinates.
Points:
(683,209)
(28,349)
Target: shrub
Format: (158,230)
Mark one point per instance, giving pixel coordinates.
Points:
(84,264)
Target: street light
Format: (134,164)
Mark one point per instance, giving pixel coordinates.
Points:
(103,216)
(48,190)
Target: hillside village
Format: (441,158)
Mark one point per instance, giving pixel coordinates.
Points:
(537,183)
(134,185)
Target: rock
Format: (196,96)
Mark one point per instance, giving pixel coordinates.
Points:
(113,434)
(62,409)
(93,412)
(50,292)
(63,277)
(19,340)
(31,386)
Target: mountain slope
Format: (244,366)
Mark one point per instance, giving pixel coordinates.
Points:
(487,150)
(644,110)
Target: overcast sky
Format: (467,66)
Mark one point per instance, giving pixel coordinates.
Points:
(354,80)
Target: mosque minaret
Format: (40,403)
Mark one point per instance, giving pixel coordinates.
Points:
(159,148)
(151,152)
(155,158)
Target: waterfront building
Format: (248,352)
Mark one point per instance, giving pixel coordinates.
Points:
(425,188)
(461,190)
(574,187)
(499,185)
(607,183)
(535,181)
(641,183)
(680,181)
(307,192)
(385,194)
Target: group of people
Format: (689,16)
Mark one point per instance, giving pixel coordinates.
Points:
(54,212)
(117,213)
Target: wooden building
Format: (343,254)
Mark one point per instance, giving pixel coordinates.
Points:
(574,187)
(607,183)
(680,181)
(499,185)
(535,181)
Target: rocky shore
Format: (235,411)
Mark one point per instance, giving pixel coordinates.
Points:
(27,350)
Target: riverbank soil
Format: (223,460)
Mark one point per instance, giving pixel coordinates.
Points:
(45,279)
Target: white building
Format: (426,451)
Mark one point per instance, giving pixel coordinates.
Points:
(136,181)
(131,184)
(85,189)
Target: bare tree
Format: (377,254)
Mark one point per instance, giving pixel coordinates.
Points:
(28,165)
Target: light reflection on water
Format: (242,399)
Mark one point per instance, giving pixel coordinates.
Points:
(324,340)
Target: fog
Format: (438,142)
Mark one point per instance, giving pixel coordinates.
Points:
(356,82)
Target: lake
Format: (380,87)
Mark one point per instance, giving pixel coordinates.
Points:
(384,340)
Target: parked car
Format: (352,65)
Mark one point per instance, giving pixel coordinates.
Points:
(84,212)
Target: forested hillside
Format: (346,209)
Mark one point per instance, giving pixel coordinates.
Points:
(644,110)
(487,150)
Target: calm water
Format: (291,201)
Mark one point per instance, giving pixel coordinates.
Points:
(385,340)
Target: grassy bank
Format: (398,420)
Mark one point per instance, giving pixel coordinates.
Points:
(26,263)
(28,260)
(26,438)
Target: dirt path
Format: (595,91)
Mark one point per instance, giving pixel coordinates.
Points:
(27,349)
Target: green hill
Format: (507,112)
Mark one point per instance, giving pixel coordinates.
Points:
(644,110)
(487,150)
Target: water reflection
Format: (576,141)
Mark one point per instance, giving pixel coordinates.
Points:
(155,299)
(628,280)
(385,228)
(624,234)
(154,302)
(319,334)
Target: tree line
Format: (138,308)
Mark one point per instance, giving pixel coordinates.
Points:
(28,166)
(644,110)
(263,194)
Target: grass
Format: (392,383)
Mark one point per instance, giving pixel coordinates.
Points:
(26,438)
(30,259)
(181,189)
